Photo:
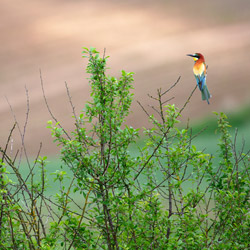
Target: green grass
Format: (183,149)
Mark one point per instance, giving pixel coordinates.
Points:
(237,119)
(209,135)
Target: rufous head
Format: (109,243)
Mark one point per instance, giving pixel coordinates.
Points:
(197,56)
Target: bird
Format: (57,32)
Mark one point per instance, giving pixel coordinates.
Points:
(200,73)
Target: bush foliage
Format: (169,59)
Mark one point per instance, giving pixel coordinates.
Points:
(170,195)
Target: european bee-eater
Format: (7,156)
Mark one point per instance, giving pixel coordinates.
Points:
(200,73)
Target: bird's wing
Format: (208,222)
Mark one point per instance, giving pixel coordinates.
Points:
(201,80)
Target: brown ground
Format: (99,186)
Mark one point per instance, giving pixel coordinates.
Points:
(150,38)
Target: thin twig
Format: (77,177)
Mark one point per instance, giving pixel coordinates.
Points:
(48,107)
(171,86)
(8,140)
(185,104)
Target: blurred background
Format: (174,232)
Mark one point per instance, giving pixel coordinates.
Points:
(150,38)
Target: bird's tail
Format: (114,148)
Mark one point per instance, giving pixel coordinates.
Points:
(205,93)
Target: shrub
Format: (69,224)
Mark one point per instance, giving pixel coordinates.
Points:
(169,195)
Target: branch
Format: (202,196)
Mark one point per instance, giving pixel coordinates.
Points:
(48,107)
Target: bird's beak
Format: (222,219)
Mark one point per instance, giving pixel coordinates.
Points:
(191,55)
